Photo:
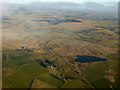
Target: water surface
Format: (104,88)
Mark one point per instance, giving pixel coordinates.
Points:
(87,59)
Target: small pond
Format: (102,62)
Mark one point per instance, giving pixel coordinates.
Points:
(87,59)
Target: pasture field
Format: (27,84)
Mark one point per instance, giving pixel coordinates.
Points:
(75,84)
(24,77)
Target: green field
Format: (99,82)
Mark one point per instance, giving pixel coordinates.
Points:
(96,71)
(101,83)
(75,84)
(23,78)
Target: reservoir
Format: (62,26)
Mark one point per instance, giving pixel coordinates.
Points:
(87,59)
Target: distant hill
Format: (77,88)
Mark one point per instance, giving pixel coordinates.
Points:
(84,7)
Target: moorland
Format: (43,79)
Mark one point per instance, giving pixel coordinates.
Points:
(40,42)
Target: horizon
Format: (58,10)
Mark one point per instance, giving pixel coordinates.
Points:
(75,1)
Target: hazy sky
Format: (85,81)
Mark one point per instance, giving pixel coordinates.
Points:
(27,1)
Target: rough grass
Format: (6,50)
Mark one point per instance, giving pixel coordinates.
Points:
(113,61)
(96,71)
(113,56)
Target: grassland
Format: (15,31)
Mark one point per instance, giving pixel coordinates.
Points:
(96,68)
(75,84)
(23,78)
(40,46)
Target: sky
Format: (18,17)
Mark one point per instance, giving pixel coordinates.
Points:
(29,1)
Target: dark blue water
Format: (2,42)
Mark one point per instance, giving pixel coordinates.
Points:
(87,59)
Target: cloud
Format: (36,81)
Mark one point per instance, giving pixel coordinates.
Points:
(28,1)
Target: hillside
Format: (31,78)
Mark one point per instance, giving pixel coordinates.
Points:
(40,45)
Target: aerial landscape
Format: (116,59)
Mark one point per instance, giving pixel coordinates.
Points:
(60,45)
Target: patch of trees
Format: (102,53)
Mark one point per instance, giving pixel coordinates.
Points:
(45,63)
(57,77)
(22,63)
(28,50)
(18,50)
(69,77)
(41,62)
(24,49)
(50,62)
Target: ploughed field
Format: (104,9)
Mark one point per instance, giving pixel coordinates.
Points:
(56,49)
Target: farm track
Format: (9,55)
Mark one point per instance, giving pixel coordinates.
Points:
(86,80)
(108,66)
(63,79)
(7,59)
(19,68)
